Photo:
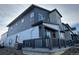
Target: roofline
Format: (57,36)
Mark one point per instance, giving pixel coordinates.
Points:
(29,9)
(56,11)
(68,26)
(19,16)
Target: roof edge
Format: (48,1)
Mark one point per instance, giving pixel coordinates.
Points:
(56,11)
(29,9)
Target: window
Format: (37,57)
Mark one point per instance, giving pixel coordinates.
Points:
(32,15)
(22,20)
(40,17)
(48,34)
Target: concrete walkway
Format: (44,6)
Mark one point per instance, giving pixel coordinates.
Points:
(40,51)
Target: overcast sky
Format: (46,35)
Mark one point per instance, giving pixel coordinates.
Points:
(9,12)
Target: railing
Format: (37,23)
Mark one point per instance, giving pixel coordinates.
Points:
(31,43)
(46,43)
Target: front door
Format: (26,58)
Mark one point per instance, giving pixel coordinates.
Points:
(54,40)
(51,38)
(48,37)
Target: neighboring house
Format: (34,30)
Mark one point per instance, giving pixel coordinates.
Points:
(68,32)
(3,39)
(75,37)
(72,34)
(37,27)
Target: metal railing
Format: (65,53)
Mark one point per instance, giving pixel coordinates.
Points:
(46,43)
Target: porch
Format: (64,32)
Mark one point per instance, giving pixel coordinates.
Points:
(43,47)
(49,38)
(44,43)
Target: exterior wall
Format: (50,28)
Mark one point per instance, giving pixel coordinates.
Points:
(62,36)
(24,30)
(68,35)
(3,38)
(19,25)
(31,33)
(55,19)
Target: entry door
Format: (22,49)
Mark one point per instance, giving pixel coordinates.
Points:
(51,36)
(48,35)
(54,40)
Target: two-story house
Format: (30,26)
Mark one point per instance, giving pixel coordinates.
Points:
(37,27)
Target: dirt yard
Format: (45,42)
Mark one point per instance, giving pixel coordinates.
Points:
(72,51)
(10,51)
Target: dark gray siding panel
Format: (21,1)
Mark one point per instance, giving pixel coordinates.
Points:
(20,26)
(27,21)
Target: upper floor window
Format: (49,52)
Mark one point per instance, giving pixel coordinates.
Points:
(32,15)
(41,17)
(22,20)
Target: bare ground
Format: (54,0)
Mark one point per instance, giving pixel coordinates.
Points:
(72,51)
(10,51)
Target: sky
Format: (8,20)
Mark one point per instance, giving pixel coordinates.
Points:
(8,12)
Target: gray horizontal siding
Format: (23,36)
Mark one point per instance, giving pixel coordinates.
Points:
(27,21)
(20,26)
